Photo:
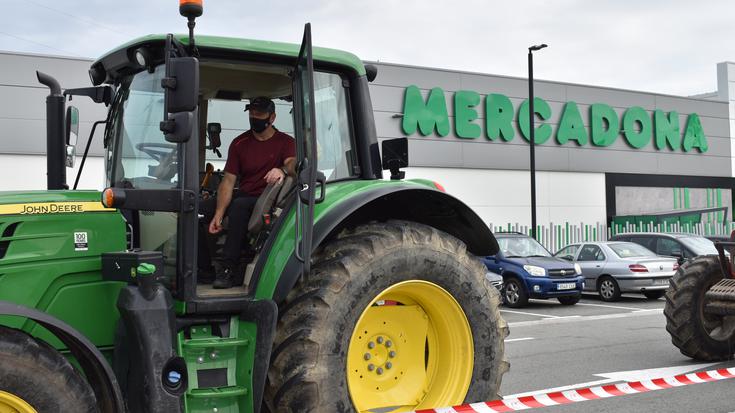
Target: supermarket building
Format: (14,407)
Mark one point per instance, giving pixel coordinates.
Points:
(601,152)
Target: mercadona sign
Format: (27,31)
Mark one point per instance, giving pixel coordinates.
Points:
(637,127)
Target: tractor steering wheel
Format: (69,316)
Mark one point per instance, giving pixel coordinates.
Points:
(166,168)
(153,149)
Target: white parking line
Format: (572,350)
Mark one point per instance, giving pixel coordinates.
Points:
(556,320)
(533,314)
(510,340)
(612,306)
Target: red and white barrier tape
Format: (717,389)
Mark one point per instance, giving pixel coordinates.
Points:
(590,393)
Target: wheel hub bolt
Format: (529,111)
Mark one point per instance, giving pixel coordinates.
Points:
(371,367)
(371,345)
(380,370)
(388,343)
(392,354)
(367,356)
(388,365)
(380,340)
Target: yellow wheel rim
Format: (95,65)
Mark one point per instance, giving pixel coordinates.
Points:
(411,349)
(10,403)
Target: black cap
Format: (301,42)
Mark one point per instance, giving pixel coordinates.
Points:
(262,104)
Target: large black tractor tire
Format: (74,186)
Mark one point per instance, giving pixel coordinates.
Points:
(35,372)
(696,334)
(317,320)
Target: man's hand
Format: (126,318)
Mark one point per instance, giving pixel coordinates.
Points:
(216,225)
(275,175)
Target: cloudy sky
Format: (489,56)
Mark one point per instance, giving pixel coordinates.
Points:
(660,46)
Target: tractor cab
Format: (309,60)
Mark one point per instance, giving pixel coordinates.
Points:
(166,146)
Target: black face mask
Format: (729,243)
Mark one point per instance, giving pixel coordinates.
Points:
(259,125)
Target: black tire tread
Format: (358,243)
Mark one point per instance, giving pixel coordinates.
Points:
(683,298)
(34,371)
(295,374)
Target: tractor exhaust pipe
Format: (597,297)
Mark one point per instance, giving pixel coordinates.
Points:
(55,145)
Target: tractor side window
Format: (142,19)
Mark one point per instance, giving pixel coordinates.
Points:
(335,150)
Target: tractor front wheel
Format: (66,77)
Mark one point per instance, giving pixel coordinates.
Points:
(694,332)
(394,316)
(34,377)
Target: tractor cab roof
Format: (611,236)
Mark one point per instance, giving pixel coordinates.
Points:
(121,61)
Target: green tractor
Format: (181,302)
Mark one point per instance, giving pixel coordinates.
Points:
(362,294)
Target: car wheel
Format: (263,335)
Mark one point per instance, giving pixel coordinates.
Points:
(514,293)
(608,289)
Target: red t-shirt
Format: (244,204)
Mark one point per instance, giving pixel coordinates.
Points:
(251,159)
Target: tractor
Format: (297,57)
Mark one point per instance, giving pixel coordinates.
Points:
(357,293)
(700,305)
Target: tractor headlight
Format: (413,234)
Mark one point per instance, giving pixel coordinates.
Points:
(578,269)
(535,271)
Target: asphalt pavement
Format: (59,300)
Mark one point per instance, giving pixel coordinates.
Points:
(554,348)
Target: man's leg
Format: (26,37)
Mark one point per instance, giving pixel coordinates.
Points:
(238,214)
(205,273)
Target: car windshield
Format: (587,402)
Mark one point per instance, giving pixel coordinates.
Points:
(630,249)
(699,245)
(517,247)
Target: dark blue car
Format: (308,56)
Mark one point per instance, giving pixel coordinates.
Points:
(530,271)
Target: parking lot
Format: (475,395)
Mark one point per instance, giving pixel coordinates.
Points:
(555,348)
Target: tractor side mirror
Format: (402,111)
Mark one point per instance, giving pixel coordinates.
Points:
(395,156)
(72,134)
(181,86)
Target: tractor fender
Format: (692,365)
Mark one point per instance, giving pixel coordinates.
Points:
(408,202)
(94,365)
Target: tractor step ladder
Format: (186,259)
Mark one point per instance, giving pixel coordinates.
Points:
(214,379)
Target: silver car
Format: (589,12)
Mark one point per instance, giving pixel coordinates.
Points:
(612,268)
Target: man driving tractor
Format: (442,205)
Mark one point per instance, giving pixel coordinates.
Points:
(260,156)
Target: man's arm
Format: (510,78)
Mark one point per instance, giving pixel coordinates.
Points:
(224,197)
(290,165)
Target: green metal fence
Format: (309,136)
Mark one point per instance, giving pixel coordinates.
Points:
(556,236)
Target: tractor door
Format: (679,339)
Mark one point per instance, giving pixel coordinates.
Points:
(305,131)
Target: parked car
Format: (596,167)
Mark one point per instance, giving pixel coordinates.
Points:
(680,245)
(530,271)
(496,280)
(612,268)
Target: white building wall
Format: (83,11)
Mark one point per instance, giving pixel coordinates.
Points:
(28,172)
(501,196)
(726,92)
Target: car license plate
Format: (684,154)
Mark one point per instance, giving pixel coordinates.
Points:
(661,281)
(566,286)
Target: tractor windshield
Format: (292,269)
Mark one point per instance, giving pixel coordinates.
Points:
(142,157)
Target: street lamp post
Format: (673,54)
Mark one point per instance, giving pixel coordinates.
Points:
(532,133)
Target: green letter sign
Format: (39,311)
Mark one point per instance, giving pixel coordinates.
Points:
(571,127)
(429,116)
(666,130)
(694,135)
(636,139)
(499,117)
(541,108)
(464,113)
(639,127)
(603,124)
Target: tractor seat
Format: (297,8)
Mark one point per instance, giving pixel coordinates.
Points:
(272,196)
